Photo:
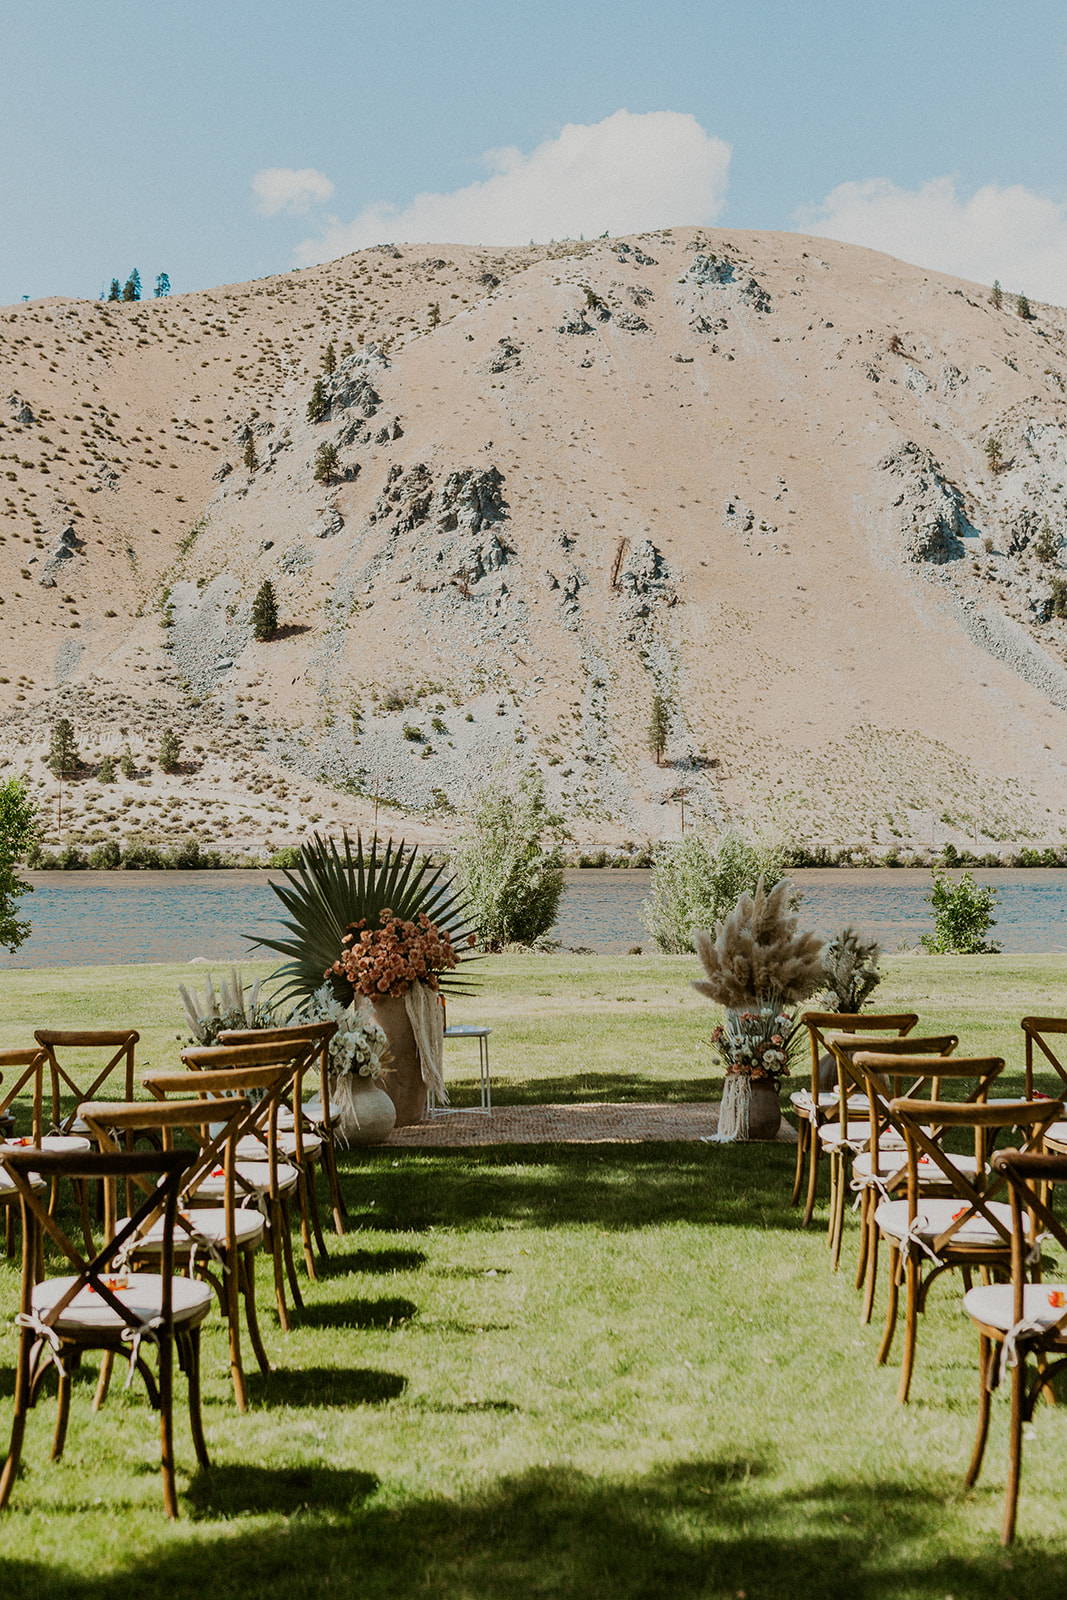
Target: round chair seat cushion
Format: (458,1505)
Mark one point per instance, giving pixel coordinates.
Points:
(313,1113)
(143,1294)
(255,1173)
(208,1224)
(928,1170)
(7,1185)
(992,1303)
(1056,1134)
(252,1149)
(828,1100)
(935,1215)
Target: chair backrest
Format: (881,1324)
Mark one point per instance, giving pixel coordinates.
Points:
(881,1087)
(820,1023)
(214,1134)
(928,1075)
(265,1074)
(17,1068)
(1030,1176)
(1037,1031)
(1029,1118)
(317,1034)
(57,1042)
(91,1272)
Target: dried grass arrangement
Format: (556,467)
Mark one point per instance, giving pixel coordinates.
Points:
(850,971)
(756,956)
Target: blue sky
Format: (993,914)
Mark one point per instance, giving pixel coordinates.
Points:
(132,133)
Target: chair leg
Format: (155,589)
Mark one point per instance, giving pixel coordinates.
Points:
(911,1278)
(275,1231)
(798,1175)
(337,1199)
(814,1148)
(303,1202)
(838,1228)
(313,1207)
(18,1421)
(865,1239)
(287,1251)
(166,1426)
(59,1437)
(891,1306)
(874,1245)
(103,1382)
(191,1343)
(1015,1449)
(986,1354)
(248,1285)
(233,1322)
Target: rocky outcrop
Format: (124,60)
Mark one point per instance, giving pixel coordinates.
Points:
(708,270)
(933,522)
(350,388)
(506,357)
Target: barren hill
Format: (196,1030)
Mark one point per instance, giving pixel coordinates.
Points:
(751,472)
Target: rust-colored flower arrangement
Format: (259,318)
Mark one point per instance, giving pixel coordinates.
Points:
(385,961)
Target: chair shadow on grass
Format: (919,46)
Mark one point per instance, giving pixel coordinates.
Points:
(324,1386)
(615,1186)
(375,1260)
(386,1313)
(693,1530)
(612,1088)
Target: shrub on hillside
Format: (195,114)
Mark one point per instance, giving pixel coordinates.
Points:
(698,881)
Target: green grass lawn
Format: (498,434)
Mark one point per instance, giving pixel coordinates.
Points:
(611,1370)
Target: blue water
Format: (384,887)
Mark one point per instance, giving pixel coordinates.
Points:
(109,918)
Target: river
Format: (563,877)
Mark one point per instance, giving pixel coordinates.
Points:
(107,918)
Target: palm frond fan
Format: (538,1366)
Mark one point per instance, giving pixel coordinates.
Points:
(337,885)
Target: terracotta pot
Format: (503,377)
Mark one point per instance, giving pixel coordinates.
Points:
(765,1110)
(403,1083)
(365,1112)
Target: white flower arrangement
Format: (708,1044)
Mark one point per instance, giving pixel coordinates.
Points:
(359,1048)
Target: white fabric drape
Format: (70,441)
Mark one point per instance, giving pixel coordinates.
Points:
(427,1017)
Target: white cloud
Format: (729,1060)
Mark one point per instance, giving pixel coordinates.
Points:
(290,189)
(1013,233)
(628,173)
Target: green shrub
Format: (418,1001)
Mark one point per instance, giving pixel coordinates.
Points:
(696,882)
(963,915)
(140,855)
(105,855)
(415,735)
(106,771)
(285,858)
(511,864)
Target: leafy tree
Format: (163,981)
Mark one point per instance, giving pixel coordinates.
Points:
(659,727)
(131,289)
(170,751)
(329,360)
(963,915)
(1022,307)
(162,285)
(127,765)
(435,314)
(115,292)
(265,612)
(698,881)
(105,772)
(63,759)
(996,297)
(1059,597)
(327,463)
(994,453)
(18,830)
(319,404)
(251,460)
(511,864)
(1047,544)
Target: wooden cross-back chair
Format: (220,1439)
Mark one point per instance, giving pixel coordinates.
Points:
(1037,1032)
(215,1242)
(319,1120)
(964,1226)
(101,1305)
(263,1175)
(850,1135)
(1022,1321)
(57,1042)
(26,1067)
(816,1104)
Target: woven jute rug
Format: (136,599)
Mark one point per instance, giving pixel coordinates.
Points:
(595,1123)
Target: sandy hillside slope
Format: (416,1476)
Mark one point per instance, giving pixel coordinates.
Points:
(750,472)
